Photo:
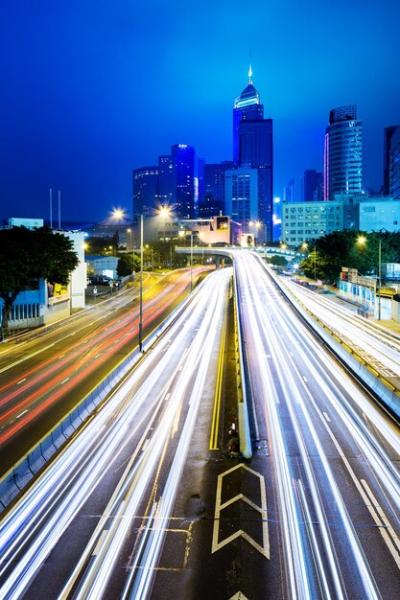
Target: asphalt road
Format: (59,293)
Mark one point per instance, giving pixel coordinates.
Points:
(139,506)
(45,373)
(380,348)
(103,506)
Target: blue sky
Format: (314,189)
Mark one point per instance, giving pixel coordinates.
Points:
(91,90)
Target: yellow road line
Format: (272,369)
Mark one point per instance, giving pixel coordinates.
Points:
(213,445)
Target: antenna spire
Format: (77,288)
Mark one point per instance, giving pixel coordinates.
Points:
(250,74)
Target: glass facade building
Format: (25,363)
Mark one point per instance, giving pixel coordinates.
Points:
(212,201)
(241,195)
(253,149)
(313,185)
(392,162)
(145,190)
(183,160)
(343,153)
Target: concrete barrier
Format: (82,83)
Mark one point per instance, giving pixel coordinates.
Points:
(243,413)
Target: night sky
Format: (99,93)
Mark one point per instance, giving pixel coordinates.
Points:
(92,89)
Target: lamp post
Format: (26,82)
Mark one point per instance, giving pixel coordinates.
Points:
(361,242)
(182,234)
(141,288)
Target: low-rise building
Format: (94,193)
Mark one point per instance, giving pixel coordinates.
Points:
(303,221)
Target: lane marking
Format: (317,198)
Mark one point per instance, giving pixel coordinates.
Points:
(385,528)
(19,361)
(326,416)
(99,544)
(219,507)
(22,413)
(238,596)
(213,443)
(64,380)
(21,381)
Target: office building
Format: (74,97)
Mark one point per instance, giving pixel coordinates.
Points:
(253,148)
(304,221)
(313,185)
(166,180)
(288,191)
(343,153)
(392,162)
(145,190)
(212,201)
(241,195)
(379,214)
(183,160)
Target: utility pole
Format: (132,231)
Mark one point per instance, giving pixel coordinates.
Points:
(59,209)
(141,288)
(51,208)
(191,261)
(379,277)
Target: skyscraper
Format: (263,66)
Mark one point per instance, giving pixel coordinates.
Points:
(313,185)
(241,195)
(392,162)
(166,180)
(343,153)
(145,190)
(183,160)
(212,202)
(253,148)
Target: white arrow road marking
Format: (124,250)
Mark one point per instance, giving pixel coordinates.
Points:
(216,544)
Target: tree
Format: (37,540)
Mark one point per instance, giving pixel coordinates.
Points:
(127,263)
(278,261)
(342,249)
(26,256)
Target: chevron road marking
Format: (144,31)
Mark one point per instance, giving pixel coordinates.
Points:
(262,510)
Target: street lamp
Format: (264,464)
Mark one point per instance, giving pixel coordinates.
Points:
(182,233)
(141,288)
(361,242)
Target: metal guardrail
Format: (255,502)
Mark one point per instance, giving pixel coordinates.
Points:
(243,412)
(20,475)
(387,393)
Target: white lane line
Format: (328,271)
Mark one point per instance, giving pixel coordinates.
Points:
(385,528)
(326,416)
(19,361)
(64,380)
(22,413)
(21,381)
(99,544)
(305,379)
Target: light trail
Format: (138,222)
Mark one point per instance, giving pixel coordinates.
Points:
(301,381)
(40,390)
(381,349)
(33,527)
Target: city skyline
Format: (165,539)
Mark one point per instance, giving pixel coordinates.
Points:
(116,101)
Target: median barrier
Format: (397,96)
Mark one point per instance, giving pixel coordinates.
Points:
(370,377)
(243,413)
(19,476)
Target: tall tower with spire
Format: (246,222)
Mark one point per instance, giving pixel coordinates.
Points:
(253,149)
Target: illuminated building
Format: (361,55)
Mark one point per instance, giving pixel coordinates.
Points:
(212,201)
(145,190)
(343,153)
(241,195)
(392,161)
(183,160)
(313,185)
(253,149)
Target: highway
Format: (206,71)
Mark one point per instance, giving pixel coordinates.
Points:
(44,373)
(124,471)
(332,477)
(380,348)
(145,503)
